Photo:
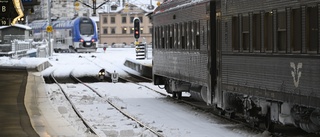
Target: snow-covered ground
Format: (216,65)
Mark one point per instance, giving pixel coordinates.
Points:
(158,112)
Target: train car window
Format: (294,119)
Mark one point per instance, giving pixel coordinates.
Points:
(235,34)
(86,28)
(179,35)
(245,33)
(175,36)
(187,35)
(268,37)
(256,30)
(166,36)
(105,20)
(162,37)
(113,20)
(190,32)
(155,37)
(312,28)
(296,30)
(197,35)
(282,31)
(183,36)
(203,36)
(171,36)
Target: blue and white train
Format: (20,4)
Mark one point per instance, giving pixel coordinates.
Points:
(79,34)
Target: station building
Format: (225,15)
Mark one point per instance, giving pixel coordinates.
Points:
(116,24)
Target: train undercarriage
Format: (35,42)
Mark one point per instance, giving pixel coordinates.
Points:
(256,111)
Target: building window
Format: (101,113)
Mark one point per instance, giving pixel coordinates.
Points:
(105,20)
(124,30)
(113,20)
(105,31)
(124,19)
(113,30)
(131,19)
(141,19)
(131,30)
(150,30)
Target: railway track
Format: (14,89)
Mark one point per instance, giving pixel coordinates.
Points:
(91,128)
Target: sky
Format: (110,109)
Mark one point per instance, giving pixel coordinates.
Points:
(170,118)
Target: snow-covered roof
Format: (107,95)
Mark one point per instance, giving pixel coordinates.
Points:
(142,4)
(17,25)
(96,18)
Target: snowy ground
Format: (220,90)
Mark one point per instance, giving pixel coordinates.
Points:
(162,114)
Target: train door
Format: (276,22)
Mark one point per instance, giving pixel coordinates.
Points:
(214,54)
(218,42)
(212,50)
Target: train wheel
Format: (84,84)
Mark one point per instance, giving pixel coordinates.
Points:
(174,95)
(268,124)
(179,95)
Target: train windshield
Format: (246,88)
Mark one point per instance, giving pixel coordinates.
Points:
(86,28)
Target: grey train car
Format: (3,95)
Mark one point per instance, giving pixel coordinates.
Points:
(259,58)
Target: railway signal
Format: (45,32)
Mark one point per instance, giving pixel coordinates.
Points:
(136,28)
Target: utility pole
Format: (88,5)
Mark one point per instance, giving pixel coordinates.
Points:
(49,25)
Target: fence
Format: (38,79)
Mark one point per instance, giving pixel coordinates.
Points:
(20,48)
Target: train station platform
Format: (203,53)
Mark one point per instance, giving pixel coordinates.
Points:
(26,110)
(144,67)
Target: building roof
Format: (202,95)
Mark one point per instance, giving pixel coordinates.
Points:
(18,26)
(145,5)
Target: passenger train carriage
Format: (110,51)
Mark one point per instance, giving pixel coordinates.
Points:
(79,34)
(254,57)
